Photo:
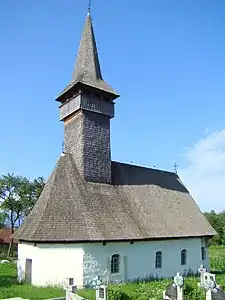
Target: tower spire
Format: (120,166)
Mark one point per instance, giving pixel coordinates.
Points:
(87,70)
(87,65)
(87,106)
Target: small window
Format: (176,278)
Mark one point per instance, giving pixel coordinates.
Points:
(183,257)
(158,260)
(203,253)
(115,263)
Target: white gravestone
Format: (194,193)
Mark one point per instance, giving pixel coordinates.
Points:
(208,282)
(201,270)
(106,277)
(179,282)
(70,288)
(101,289)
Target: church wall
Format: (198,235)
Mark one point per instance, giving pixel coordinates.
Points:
(52,263)
(26,251)
(138,259)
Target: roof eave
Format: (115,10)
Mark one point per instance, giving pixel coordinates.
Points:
(113,95)
(33,240)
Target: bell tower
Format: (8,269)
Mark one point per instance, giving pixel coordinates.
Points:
(86,107)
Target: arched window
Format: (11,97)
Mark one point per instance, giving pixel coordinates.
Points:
(158,260)
(115,263)
(183,257)
(203,253)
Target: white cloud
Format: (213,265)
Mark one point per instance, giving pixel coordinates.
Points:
(204,175)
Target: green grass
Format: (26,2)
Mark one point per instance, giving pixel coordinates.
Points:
(9,287)
(141,291)
(217,258)
(217,251)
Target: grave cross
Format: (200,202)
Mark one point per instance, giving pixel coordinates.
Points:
(208,282)
(201,270)
(106,276)
(96,283)
(179,281)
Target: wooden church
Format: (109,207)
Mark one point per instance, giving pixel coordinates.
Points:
(96,214)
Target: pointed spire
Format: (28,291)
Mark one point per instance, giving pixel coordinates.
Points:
(87,69)
(87,64)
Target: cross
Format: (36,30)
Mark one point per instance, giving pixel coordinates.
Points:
(89,6)
(178,280)
(106,276)
(175,167)
(201,270)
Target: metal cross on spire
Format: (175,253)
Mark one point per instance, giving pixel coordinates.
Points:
(89,6)
(175,167)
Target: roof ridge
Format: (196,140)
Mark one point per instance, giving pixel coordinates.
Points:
(145,167)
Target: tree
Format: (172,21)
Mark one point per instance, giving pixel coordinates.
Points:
(217,220)
(33,192)
(18,195)
(3,217)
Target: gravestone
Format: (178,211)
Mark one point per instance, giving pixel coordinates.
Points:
(174,291)
(208,282)
(106,277)
(70,288)
(201,270)
(101,289)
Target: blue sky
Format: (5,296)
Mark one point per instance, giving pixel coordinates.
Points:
(165,58)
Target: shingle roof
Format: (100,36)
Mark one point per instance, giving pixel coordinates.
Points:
(87,68)
(141,203)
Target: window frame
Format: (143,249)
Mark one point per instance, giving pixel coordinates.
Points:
(183,257)
(115,262)
(158,260)
(203,253)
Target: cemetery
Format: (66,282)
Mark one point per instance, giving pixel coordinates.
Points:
(203,286)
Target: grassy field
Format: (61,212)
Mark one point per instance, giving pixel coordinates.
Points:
(217,258)
(10,288)
(142,291)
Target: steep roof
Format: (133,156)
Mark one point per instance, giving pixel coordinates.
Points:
(141,204)
(87,68)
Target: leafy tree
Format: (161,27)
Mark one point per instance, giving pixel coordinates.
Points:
(18,196)
(217,220)
(3,217)
(32,192)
